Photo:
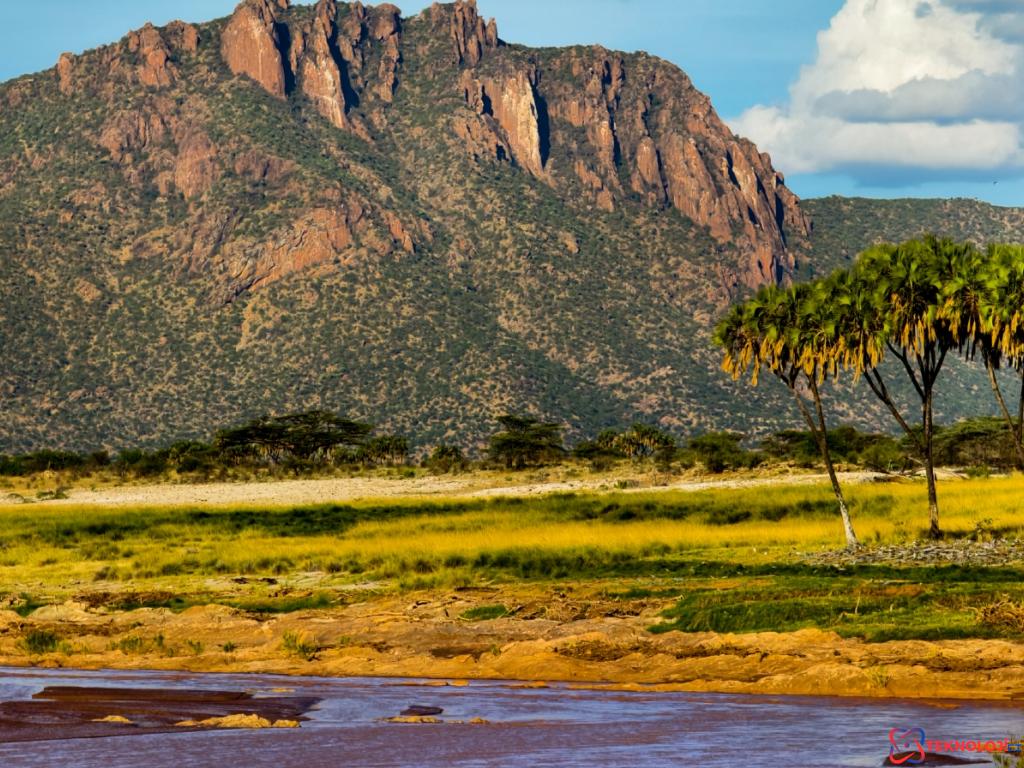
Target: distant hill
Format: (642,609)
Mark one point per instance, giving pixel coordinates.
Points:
(844,226)
(406,220)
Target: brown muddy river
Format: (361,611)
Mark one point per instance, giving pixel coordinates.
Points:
(530,727)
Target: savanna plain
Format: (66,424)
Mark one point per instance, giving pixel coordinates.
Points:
(630,579)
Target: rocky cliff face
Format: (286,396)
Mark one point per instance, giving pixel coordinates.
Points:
(620,127)
(251,44)
(358,201)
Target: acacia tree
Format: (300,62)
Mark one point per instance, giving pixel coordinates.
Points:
(893,304)
(642,440)
(791,332)
(525,440)
(308,436)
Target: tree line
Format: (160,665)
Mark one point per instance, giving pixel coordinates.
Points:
(915,303)
(315,441)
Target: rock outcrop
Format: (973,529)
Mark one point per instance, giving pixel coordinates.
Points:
(470,36)
(330,54)
(65,69)
(319,72)
(182,36)
(507,106)
(595,125)
(127,134)
(314,239)
(386,31)
(155,68)
(262,168)
(146,56)
(251,44)
(196,167)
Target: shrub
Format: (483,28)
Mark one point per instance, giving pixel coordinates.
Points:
(446,458)
(301,644)
(39,641)
(719,451)
(484,613)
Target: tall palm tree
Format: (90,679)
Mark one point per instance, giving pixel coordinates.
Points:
(791,333)
(897,290)
(1006,320)
(984,302)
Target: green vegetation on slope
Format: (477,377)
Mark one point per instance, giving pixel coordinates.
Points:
(845,226)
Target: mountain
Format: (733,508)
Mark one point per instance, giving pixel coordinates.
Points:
(407,220)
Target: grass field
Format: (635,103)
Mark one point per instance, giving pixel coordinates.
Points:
(730,558)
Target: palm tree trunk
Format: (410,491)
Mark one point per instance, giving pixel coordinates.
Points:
(934,532)
(820,433)
(877,385)
(1020,410)
(1014,433)
(826,454)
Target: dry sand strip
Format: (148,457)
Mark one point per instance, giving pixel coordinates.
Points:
(349,489)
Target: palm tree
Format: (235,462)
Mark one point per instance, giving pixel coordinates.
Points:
(998,332)
(895,306)
(791,333)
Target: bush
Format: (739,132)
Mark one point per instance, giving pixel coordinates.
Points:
(600,454)
(39,641)
(141,463)
(446,458)
(192,456)
(981,442)
(719,451)
(484,613)
(40,461)
(301,644)
(845,444)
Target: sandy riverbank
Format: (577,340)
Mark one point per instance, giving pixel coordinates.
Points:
(576,638)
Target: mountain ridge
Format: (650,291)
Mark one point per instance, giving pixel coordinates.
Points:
(410,221)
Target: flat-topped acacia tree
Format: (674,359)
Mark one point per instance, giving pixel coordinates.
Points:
(790,332)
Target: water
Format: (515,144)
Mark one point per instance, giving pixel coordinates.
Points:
(537,728)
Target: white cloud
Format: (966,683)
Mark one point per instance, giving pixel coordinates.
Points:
(925,84)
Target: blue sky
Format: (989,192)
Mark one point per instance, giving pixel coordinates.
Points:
(885,98)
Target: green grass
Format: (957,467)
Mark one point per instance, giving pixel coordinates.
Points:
(484,613)
(853,606)
(285,604)
(27,605)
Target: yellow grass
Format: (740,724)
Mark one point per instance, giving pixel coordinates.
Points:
(174,547)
